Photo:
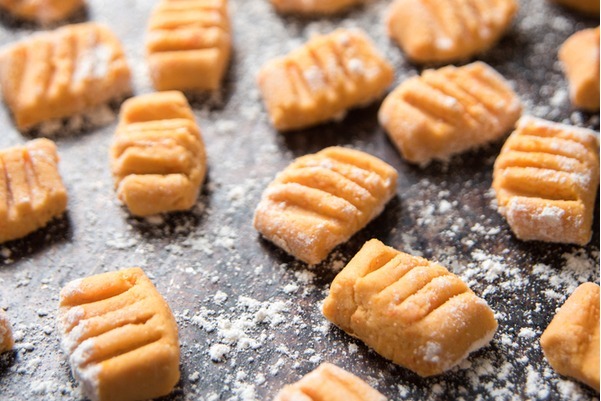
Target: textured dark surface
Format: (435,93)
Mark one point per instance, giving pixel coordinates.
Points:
(228,286)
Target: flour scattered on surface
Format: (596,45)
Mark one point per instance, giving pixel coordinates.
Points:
(220,297)
(527,333)
(217,352)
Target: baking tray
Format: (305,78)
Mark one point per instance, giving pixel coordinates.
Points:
(248,314)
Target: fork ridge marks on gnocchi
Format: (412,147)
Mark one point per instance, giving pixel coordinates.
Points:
(6,333)
(42,11)
(31,190)
(329,382)
(57,74)
(158,155)
(314,6)
(322,199)
(189,44)
(447,111)
(579,56)
(546,179)
(120,336)
(448,30)
(321,80)
(571,341)
(408,309)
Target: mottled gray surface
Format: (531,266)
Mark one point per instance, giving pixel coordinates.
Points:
(228,286)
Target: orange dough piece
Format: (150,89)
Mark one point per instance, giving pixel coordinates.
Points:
(314,6)
(31,190)
(120,336)
(322,199)
(324,78)
(158,156)
(585,6)
(57,74)
(408,309)
(447,111)
(189,44)
(447,30)
(571,341)
(42,11)
(329,382)
(546,179)
(579,56)
(6,333)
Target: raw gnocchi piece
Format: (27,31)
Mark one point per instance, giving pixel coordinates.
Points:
(57,74)
(546,179)
(314,6)
(579,56)
(322,199)
(408,309)
(42,11)
(31,190)
(571,341)
(329,382)
(189,44)
(323,79)
(584,6)
(6,333)
(448,111)
(120,336)
(442,31)
(158,156)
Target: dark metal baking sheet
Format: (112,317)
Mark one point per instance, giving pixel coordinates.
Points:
(230,289)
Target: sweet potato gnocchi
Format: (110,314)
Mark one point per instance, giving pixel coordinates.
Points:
(579,56)
(158,156)
(189,44)
(57,74)
(323,79)
(444,31)
(321,200)
(6,333)
(329,382)
(408,309)
(546,179)
(447,111)
(313,6)
(571,341)
(42,11)
(120,336)
(584,6)
(31,189)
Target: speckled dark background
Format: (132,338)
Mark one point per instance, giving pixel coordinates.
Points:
(191,256)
